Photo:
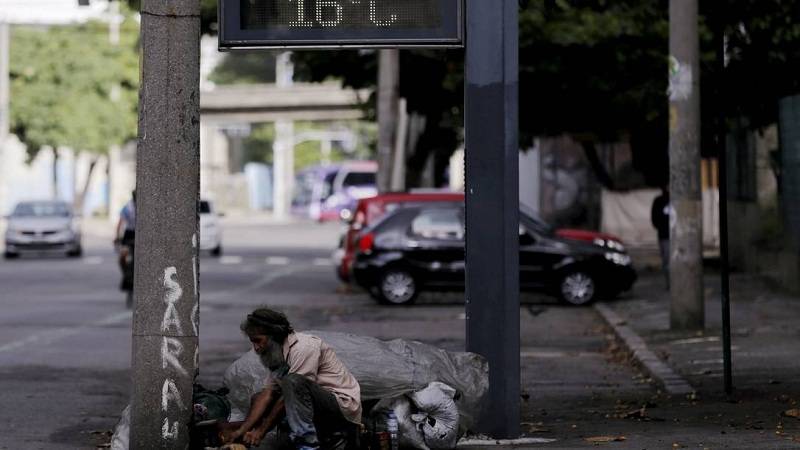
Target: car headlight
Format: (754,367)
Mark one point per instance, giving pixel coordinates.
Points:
(620,259)
(610,244)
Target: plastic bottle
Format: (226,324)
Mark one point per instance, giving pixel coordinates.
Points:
(394,431)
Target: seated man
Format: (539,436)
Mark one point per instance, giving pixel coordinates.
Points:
(310,387)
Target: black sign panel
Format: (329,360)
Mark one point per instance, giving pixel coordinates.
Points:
(340,23)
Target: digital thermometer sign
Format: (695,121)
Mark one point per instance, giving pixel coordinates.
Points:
(340,23)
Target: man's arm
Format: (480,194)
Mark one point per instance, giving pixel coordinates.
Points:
(256,435)
(261,401)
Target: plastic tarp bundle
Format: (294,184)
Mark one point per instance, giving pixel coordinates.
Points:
(428,418)
(384,369)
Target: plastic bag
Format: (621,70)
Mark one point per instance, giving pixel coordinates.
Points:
(122,432)
(387,369)
(438,420)
(384,370)
(410,436)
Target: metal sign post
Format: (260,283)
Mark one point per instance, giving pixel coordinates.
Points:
(492,148)
(492,196)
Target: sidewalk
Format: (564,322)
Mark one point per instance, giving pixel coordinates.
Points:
(763,410)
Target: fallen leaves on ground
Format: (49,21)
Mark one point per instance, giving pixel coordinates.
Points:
(794,412)
(604,439)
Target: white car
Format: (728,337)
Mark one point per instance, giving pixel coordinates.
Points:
(43,226)
(210,228)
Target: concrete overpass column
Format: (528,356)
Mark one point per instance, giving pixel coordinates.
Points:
(283,163)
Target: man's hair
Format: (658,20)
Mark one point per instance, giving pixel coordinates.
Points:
(267,322)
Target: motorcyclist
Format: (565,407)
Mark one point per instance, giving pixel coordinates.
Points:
(124,241)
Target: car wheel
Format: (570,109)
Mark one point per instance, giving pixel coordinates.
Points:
(397,287)
(217,251)
(577,288)
(10,255)
(75,253)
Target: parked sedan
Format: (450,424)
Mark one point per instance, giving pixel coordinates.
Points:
(422,247)
(43,226)
(210,229)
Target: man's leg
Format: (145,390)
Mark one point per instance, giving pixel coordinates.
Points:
(309,410)
(663,245)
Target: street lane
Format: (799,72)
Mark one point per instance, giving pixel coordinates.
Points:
(65,338)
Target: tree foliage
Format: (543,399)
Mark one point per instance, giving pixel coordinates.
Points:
(71,87)
(597,70)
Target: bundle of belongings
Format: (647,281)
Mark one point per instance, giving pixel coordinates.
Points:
(436,395)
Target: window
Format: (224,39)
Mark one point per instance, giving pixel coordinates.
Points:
(359,179)
(438,224)
(43,209)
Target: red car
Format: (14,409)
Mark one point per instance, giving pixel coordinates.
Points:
(369,209)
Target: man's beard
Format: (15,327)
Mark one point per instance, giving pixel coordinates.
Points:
(272,356)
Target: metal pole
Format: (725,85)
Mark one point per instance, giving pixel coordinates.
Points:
(722,164)
(686,225)
(166,315)
(492,205)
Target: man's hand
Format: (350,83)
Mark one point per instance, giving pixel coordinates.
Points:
(230,434)
(254,437)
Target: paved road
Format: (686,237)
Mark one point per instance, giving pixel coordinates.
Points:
(65,335)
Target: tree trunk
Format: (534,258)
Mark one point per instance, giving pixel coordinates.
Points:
(599,170)
(55,173)
(80,200)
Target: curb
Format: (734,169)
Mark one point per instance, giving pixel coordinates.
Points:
(673,383)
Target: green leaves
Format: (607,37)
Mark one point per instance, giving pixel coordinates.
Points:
(71,87)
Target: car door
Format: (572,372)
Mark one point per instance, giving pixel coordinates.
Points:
(435,245)
(538,256)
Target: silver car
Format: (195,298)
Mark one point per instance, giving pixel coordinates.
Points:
(43,226)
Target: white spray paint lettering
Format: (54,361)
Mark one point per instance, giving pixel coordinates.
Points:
(170,392)
(194,266)
(171,350)
(174,293)
(168,432)
(195,318)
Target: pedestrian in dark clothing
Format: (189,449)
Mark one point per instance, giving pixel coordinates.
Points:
(659,216)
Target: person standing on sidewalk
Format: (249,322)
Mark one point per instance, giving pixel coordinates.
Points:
(309,385)
(659,216)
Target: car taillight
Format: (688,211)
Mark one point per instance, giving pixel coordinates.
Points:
(366,243)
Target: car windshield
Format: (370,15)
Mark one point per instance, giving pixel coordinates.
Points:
(533,223)
(44,209)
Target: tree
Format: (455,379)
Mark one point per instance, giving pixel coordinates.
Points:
(597,70)
(71,87)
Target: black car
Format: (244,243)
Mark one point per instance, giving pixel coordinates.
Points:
(422,247)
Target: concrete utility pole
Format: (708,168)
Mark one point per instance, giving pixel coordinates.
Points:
(686,225)
(5,111)
(166,315)
(388,95)
(492,205)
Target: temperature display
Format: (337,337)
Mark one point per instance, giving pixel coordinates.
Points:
(353,14)
(340,23)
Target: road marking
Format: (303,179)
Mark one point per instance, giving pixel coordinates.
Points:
(93,260)
(230,260)
(277,260)
(323,262)
(695,340)
(51,336)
